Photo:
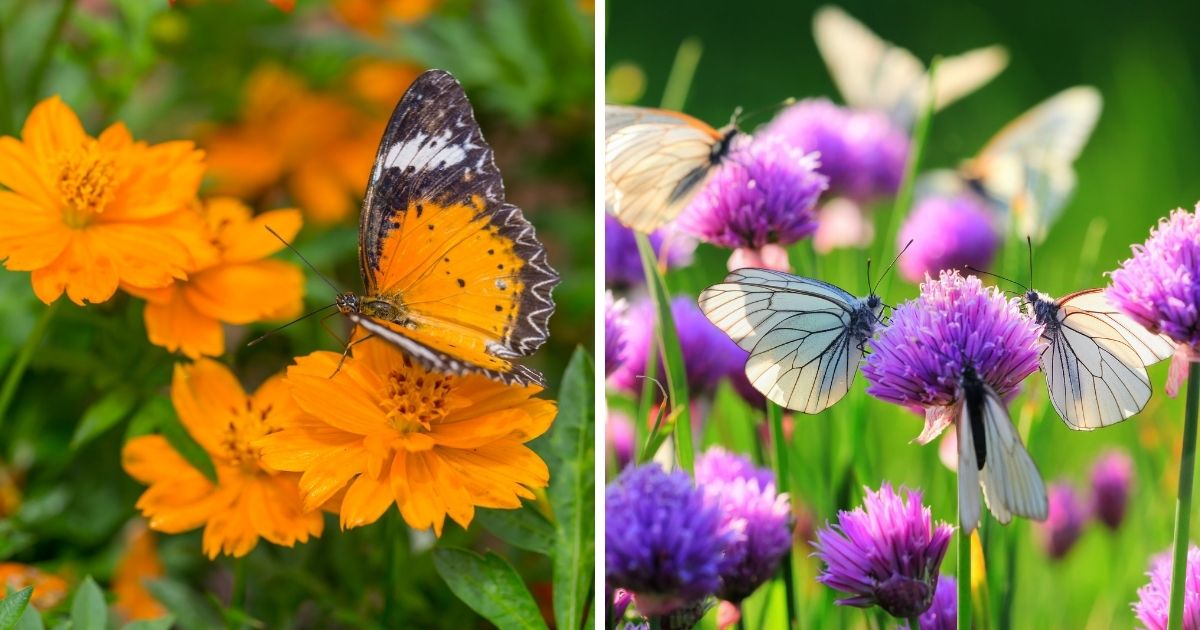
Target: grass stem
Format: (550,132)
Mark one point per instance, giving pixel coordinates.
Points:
(21,363)
(1183,505)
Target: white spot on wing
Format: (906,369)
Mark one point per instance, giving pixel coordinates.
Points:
(423,153)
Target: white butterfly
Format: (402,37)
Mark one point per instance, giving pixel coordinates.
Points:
(655,161)
(805,337)
(874,74)
(990,454)
(1094,358)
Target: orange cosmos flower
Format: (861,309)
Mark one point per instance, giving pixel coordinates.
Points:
(49,590)
(240,286)
(249,500)
(372,16)
(86,214)
(387,431)
(315,146)
(139,564)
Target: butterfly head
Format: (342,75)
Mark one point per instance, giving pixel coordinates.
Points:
(1043,307)
(348,303)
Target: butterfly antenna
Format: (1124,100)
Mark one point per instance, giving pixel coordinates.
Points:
(1029,242)
(994,275)
(301,257)
(740,115)
(869,289)
(893,264)
(279,328)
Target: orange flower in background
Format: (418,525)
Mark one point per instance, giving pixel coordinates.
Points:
(381,83)
(86,214)
(387,431)
(49,590)
(317,147)
(240,286)
(373,16)
(249,500)
(138,564)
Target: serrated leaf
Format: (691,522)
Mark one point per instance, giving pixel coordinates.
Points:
(189,609)
(103,415)
(490,586)
(88,610)
(162,623)
(572,492)
(13,606)
(524,527)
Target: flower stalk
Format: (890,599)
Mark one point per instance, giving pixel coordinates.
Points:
(21,363)
(782,478)
(964,577)
(1183,504)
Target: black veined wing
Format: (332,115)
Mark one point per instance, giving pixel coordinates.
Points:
(655,161)
(1028,167)
(805,337)
(871,73)
(1094,358)
(454,276)
(991,456)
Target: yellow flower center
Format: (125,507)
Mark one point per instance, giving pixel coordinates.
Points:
(86,181)
(414,403)
(237,440)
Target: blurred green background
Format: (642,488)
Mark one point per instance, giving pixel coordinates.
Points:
(1138,166)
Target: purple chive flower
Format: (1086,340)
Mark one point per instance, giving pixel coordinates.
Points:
(862,152)
(764,194)
(621,437)
(709,355)
(887,553)
(1064,524)
(1112,478)
(1159,287)
(759,517)
(1153,598)
(919,358)
(623,263)
(943,613)
(947,233)
(621,601)
(663,540)
(614,332)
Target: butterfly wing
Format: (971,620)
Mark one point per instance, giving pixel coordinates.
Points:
(1093,361)
(871,73)
(1010,480)
(654,163)
(1028,168)
(803,355)
(437,238)
(969,506)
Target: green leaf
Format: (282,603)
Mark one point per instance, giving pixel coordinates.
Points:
(490,586)
(103,415)
(164,623)
(153,414)
(524,527)
(13,606)
(186,446)
(31,620)
(572,492)
(88,610)
(190,610)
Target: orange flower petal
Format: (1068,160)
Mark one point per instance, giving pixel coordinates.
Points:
(322,195)
(21,172)
(366,500)
(166,180)
(203,394)
(84,270)
(330,474)
(175,325)
(30,237)
(250,241)
(247,292)
(354,410)
(179,497)
(500,473)
(304,444)
(50,128)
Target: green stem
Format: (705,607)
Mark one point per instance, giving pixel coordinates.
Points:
(17,370)
(6,128)
(1183,505)
(679,81)
(237,600)
(964,579)
(43,60)
(914,622)
(396,543)
(783,485)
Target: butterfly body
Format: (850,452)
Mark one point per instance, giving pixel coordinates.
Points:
(690,183)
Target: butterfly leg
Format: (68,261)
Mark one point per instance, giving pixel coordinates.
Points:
(346,353)
(329,330)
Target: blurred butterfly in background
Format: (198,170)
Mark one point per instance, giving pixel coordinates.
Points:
(805,337)
(875,74)
(1026,171)
(453,275)
(655,161)
(991,456)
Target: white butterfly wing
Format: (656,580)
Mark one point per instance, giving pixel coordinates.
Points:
(959,75)
(1151,348)
(654,162)
(802,354)
(1011,481)
(969,508)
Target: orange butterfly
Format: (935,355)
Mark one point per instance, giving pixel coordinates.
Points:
(453,275)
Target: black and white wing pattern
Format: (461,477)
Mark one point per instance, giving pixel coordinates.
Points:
(1094,358)
(655,160)
(992,456)
(805,337)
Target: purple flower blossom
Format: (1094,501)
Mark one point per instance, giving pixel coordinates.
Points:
(709,355)
(1064,524)
(1159,287)
(1153,598)
(663,541)
(623,264)
(887,555)
(947,233)
(1112,478)
(918,359)
(763,194)
(621,437)
(943,613)
(614,333)
(861,151)
(759,519)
